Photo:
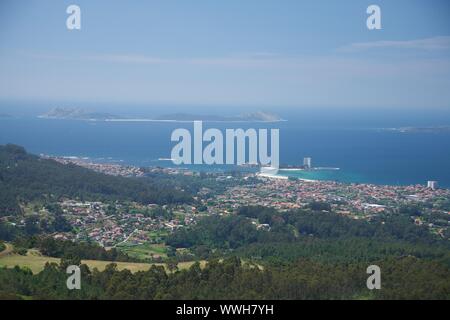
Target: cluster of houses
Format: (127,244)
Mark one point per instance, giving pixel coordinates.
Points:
(131,223)
(358,201)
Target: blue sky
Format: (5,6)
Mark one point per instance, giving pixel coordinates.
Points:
(283,53)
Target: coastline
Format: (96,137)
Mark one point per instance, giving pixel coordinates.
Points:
(271,176)
(275,176)
(346,178)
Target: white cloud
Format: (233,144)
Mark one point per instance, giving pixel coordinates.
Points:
(248,60)
(434,43)
(241,60)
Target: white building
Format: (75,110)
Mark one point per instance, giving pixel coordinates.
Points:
(307,162)
(433,185)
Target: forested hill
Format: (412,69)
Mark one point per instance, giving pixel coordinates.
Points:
(26,177)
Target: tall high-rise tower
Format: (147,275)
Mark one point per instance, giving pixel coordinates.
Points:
(307,162)
(432,185)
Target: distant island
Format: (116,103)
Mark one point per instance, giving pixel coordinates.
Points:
(438,129)
(76,114)
(4,115)
(81,114)
(247,117)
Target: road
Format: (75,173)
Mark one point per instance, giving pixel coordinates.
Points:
(126,239)
(8,250)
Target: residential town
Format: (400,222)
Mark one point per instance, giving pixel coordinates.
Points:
(114,224)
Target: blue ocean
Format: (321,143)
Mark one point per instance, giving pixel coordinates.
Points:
(356,144)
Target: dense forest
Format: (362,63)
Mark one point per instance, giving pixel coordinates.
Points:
(235,230)
(403,278)
(25,177)
(317,235)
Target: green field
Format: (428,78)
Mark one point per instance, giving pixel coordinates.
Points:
(144,251)
(36,262)
(158,235)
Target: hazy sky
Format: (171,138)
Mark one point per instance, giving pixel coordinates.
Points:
(228,52)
